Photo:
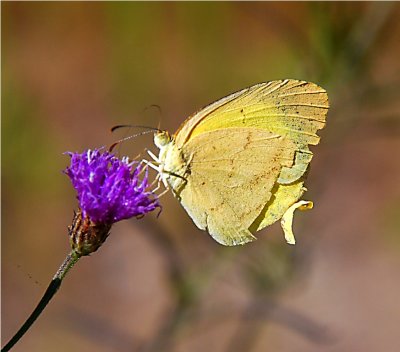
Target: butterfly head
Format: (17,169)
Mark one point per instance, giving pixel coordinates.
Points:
(162,138)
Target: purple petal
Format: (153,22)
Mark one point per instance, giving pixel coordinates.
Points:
(110,189)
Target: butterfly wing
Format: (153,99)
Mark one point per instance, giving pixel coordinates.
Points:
(230,175)
(293,109)
(242,160)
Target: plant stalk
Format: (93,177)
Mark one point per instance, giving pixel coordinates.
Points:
(53,287)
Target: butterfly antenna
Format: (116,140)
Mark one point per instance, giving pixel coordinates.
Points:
(117,127)
(129,137)
(158,107)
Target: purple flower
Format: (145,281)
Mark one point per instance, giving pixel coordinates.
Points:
(110,189)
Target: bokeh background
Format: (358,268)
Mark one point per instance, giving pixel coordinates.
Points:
(70,71)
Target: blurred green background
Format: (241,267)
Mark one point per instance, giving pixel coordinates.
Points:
(70,71)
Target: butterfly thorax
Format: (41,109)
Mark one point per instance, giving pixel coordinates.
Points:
(173,166)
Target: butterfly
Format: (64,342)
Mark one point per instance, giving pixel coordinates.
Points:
(239,164)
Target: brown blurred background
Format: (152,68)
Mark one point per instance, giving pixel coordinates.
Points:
(70,71)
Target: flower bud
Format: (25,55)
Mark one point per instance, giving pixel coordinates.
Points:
(85,236)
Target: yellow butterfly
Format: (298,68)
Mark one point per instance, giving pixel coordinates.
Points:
(239,164)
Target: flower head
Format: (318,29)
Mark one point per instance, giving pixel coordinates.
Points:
(110,189)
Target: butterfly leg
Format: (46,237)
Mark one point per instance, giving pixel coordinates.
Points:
(157,166)
(158,180)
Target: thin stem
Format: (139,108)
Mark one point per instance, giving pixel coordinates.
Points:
(55,284)
(68,263)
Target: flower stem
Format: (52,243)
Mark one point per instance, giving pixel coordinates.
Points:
(55,284)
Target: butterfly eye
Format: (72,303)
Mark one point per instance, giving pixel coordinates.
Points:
(161,139)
